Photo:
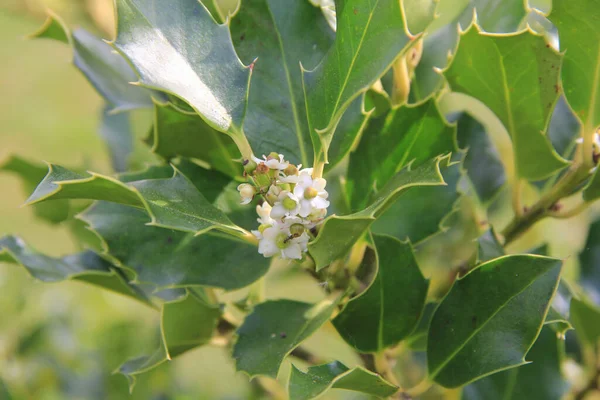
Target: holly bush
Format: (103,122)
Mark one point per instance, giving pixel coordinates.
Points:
(392,159)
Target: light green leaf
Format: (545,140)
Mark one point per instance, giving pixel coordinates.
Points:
(108,72)
(319,379)
(281,35)
(172,203)
(520,91)
(369,37)
(186,323)
(84,267)
(390,308)
(178,48)
(490,318)
(407,134)
(541,379)
(419,14)
(585,318)
(31,174)
(273,330)
(180,134)
(168,258)
(330,245)
(577,24)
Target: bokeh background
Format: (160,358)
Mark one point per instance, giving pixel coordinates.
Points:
(62,341)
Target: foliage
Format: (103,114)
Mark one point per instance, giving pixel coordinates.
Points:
(381,152)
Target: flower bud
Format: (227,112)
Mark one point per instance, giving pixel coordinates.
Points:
(285,186)
(249,166)
(247,192)
(273,194)
(289,204)
(261,175)
(297,229)
(291,170)
(273,156)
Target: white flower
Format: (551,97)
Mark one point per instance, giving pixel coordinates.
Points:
(247,192)
(311,193)
(273,162)
(264,212)
(277,239)
(287,205)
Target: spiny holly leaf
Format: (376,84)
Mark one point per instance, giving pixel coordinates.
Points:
(483,163)
(490,318)
(369,37)
(178,48)
(116,131)
(589,258)
(330,245)
(173,203)
(542,379)
(108,72)
(85,267)
(176,133)
(31,174)
(281,35)
(577,24)
(424,211)
(273,330)
(585,318)
(168,258)
(407,134)
(319,379)
(520,95)
(186,323)
(390,308)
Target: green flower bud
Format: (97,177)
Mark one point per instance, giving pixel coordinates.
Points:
(261,175)
(297,229)
(273,156)
(285,186)
(289,204)
(291,170)
(249,166)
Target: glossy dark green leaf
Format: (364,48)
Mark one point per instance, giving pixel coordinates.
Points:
(108,72)
(84,267)
(589,259)
(482,162)
(186,323)
(178,48)
(31,174)
(521,93)
(179,134)
(168,258)
(580,71)
(490,318)
(319,379)
(390,308)
(541,379)
(273,330)
(423,211)
(281,35)
(172,203)
(369,37)
(585,318)
(331,245)
(417,340)
(115,130)
(407,134)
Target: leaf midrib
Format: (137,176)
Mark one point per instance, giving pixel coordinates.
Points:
(299,137)
(479,328)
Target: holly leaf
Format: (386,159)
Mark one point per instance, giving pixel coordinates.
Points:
(31,174)
(115,130)
(186,323)
(86,267)
(107,71)
(488,246)
(589,275)
(541,379)
(521,96)
(330,245)
(580,71)
(273,330)
(173,203)
(407,134)
(391,307)
(584,317)
(176,133)
(319,379)
(369,37)
(178,48)
(490,318)
(169,258)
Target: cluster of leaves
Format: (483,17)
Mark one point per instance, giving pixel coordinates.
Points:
(406,108)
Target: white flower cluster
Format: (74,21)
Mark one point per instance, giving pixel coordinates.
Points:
(294,203)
